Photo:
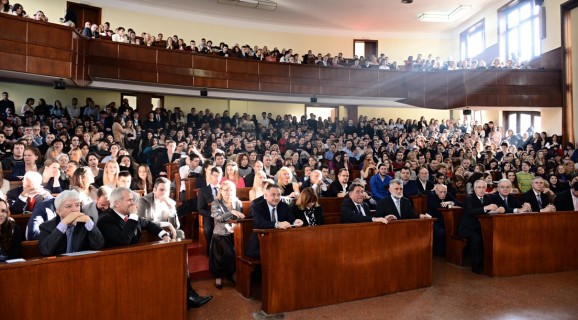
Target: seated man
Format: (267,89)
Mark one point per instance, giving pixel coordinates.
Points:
(505,201)
(354,210)
(339,187)
(159,208)
(424,186)
(379,183)
(316,183)
(567,200)
(205,197)
(440,198)
(96,209)
(122,226)
(42,212)
(269,214)
(475,204)
(71,230)
(22,199)
(396,204)
(537,197)
(410,187)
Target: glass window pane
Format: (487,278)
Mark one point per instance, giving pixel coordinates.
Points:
(513,19)
(537,42)
(525,11)
(359,49)
(538,123)
(156,102)
(513,43)
(513,123)
(525,122)
(526,49)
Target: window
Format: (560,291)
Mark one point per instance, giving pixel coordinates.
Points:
(519,25)
(473,40)
(519,122)
(365,48)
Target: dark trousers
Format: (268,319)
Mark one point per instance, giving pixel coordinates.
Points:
(476,249)
(439,239)
(208,225)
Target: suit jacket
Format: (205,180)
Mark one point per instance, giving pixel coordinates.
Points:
(428,186)
(162,159)
(204,198)
(411,189)
(386,206)
(116,232)
(530,197)
(563,201)
(300,214)
(335,187)
(91,211)
(317,189)
(472,207)
(513,203)
(434,203)
(53,242)
(262,220)
(42,212)
(146,208)
(272,171)
(18,206)
(349,213)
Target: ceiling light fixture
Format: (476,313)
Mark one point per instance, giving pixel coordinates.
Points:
(255,4)
(445,17)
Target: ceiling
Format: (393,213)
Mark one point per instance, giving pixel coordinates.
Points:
(346,16)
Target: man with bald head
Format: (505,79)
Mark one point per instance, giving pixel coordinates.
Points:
(440,198)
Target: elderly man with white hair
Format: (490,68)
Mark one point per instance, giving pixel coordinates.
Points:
(22,199)
(71,230)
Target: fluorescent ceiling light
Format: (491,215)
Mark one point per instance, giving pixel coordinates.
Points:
(256,4)
(446,17)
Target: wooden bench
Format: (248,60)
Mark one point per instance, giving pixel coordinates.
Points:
(454,243)
(22,221)
(419,203)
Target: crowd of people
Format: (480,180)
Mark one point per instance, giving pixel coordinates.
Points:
(381,61)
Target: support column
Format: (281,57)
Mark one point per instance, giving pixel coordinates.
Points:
(352,113)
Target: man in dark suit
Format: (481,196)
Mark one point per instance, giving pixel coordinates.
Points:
(43,211)
(268,214)
(339,187)
(537,197)
(268,167)
(25,197)
(205,197)
(316,183)
(71,230)
(396,204)
(475,204)
(505,201)
(439,198)
(424,186)
(567,200)
(122,226)
(354,210)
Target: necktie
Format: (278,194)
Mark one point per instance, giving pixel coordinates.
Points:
(274,214)
(360,209)
(30,203)
(69,248)
(215,192)
(125,218)
(539,200)
(506,203)
(398,206)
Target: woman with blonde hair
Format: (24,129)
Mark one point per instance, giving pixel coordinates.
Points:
(308,209)
(232,174)
(284,181)
(225,208)
(257,189)
(109,175)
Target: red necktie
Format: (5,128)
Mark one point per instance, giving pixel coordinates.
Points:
(125,218)
(30,203)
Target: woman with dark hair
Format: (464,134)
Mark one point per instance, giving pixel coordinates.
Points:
(70,19)
(307,208)
(143,179)
(10,235)
(18,10)
(511,175)
(5,6)
(82,181)
(125,163)
(30,158)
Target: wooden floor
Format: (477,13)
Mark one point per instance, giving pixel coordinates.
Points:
(456,293)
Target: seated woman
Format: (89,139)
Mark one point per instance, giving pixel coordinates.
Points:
(289,189)
(257,190)
(143,180)
(82,181)
(125,163)
(225,208)
(93,160)
(31,155)
(114,149)
(51,177)
(10,235)
(232,174)
(307,208)
(109,176)
(369,168)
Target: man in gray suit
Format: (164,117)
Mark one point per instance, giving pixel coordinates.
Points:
(71,230)
(159,208)
(99,207)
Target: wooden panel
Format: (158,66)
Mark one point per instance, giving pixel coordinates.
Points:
(105,49)
(366,76)
(176,79)
(542,243)
(544,78)
(137,54)
(546,101)
(49,53)
(175,58)
(334,73)
(273,69)
(9,46)
(243,77)
(243,85)
(305,82)
(274,79)
(242,66)
(210,83)
(308,72)
(336,91)
(347,272)
(88,292)
(102,71)
(49,67)
(49,35)
(275,87)
(13,28)
(480,78)
(209,74)
(210,63)
(306,89)
(175,70)
(511,77)
(481,100)
(136,75)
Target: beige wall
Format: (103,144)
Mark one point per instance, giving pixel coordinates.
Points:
(574,14)
(403,113)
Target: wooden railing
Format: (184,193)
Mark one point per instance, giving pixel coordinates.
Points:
(26,48)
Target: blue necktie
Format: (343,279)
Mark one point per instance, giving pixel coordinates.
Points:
(69,231)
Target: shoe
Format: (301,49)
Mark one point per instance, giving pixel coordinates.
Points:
(197,301)
(218,286)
